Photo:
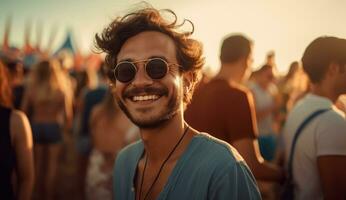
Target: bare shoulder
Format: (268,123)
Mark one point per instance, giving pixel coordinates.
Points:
(19,124)
(18,117)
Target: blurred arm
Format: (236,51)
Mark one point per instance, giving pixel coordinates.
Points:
(23,145)
(68,111)
(332,175)
(262,170)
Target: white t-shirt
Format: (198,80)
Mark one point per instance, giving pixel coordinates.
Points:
(324,135)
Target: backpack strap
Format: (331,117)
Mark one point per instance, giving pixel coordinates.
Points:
(297,134)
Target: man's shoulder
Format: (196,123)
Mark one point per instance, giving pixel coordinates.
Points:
(241,89)
(132,148)
(227,89)
(305,107)
(331,134)
(329,122)
(215,159)
(333,119)
(218,150)
(130,152)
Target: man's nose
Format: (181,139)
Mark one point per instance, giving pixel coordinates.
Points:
(141,78)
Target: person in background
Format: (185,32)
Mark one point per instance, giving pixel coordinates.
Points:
(319,159)
(225,108)
(286,85)
(16,147)
(270,59)
(265,94)
(292,87)
(16,78)
(46,97)
(91,98)
(110,131)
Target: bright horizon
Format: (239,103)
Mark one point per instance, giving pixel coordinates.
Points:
(286,27)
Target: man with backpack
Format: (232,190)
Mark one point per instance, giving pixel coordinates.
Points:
(315,131)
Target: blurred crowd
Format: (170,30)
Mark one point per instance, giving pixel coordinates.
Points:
(77,128)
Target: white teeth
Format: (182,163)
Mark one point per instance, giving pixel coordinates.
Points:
(145,98)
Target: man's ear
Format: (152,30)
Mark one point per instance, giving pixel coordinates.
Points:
(111,86)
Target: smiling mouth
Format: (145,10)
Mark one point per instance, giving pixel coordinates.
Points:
(145,95)
(143,98)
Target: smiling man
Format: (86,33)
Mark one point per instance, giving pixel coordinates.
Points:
(155,70)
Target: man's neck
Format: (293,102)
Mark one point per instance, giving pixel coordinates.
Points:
(230,73)
(160,141)
(324,90)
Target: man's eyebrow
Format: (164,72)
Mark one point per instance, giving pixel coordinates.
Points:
(127,59)
(151,57)
(162,57)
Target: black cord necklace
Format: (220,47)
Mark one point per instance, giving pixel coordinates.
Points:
(161,167)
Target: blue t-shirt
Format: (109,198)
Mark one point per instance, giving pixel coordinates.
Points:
(208,169)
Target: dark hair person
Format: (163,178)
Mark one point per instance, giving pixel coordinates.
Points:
(316,156)
(188,51)
(225,108)
(156,67)
(235,47)
(16,155)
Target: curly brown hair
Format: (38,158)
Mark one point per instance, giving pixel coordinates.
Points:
(188,51)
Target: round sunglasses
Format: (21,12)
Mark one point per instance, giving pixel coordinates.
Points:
(155,68)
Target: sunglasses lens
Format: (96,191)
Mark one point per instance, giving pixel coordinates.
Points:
(125,72)
(156,68)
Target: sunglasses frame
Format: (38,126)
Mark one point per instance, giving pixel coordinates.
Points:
(145,62)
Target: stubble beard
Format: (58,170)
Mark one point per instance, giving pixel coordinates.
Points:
(171,110)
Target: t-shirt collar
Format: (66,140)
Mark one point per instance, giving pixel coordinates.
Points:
(320,100)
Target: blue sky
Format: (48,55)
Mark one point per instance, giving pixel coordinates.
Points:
(285,26)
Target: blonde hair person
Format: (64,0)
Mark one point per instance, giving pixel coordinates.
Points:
(299,87)
(46,100)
